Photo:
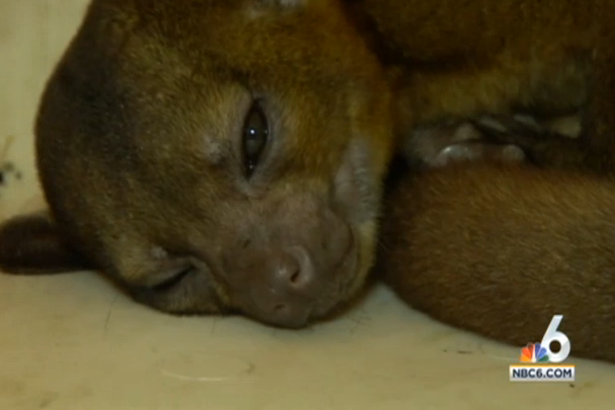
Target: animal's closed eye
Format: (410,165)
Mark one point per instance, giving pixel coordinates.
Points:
(255,138)
(174,280)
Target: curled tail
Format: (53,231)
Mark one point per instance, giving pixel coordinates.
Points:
(33,244)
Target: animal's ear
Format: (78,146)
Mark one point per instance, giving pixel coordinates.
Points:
(32,244)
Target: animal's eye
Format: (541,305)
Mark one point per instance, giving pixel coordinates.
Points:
(173,281)
(255,136)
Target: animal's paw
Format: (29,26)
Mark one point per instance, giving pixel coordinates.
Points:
(522,125)
(555,142)
(444,144)
(475,151)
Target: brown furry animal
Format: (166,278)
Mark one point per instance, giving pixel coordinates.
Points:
(217,157)
(501,249)
(213,157)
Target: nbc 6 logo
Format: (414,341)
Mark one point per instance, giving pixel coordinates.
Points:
(553,335)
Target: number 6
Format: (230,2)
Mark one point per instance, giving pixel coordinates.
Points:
(553,335)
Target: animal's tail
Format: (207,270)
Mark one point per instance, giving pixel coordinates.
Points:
(33,244)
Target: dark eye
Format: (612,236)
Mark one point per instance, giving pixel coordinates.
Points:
(255,136)
(173,281)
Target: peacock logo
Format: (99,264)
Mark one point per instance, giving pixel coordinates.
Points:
(534,353)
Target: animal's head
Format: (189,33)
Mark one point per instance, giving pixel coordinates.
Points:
(213,156)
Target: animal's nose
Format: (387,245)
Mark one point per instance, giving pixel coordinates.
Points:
(287,295)
(292,270)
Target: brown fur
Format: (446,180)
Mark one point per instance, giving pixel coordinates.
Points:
(139,147)
(499,250)
(460,60)
(139,130)
(46,252)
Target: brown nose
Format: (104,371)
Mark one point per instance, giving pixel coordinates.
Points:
(286,296)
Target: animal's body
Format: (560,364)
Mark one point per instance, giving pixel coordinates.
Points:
(500,249)
(217,157)
(495,249)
